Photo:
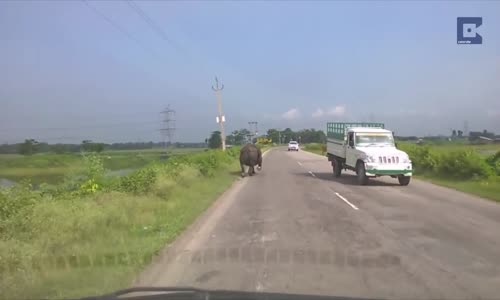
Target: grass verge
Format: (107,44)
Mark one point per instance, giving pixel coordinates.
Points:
(98,244)
(487,188)
(51,168)
(315,148)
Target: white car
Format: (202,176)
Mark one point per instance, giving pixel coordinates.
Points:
(293,146)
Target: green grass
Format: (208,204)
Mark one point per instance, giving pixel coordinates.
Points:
(486,149)
(156,150)
(489,189)
(52,168)
(98,229)
(314,148)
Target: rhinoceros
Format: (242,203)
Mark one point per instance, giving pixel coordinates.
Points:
(250,156)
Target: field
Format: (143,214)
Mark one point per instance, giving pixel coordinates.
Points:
(94,236)
(52,168)
(473,169)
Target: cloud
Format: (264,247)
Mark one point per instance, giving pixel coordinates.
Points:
(318,113)
(493,113)
(291,114)
(336,111)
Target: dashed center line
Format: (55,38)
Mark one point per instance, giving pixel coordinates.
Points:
(338,195)
(346,201)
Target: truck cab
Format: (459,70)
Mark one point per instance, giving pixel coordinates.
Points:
(370,151)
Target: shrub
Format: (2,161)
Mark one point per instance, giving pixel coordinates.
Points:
(163,186)
(422,158)
(207,163)
(313,146)
(464,164)
(140,181)
(323,148)
(94,166)
(16,198)
(494,162)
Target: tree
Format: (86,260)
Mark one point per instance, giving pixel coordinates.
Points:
(230,139)
(304,136)
(243,136)
(238,137)
(59,148)
(98,147)
(215,141)
(288,135)
(29,147)
(454,133)
(311,136)
(274,135)
(460,133)
(89,146)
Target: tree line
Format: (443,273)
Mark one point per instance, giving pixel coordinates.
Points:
(32,146)
(243,136)
(236,137)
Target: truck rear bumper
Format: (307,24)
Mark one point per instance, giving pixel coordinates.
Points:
(397,169)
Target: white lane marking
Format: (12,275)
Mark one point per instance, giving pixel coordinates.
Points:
(312,174)
(346,201)
(300,164)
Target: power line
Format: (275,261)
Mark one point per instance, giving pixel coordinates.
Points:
(152,24)
(118,27)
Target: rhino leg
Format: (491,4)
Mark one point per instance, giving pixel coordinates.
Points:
(251,171)
(244,170)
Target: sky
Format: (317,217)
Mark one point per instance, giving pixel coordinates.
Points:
(98,70)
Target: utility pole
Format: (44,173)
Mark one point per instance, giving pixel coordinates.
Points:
(253,124)
(220,118)
(168,126)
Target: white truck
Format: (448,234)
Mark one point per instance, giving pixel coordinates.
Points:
(368,149)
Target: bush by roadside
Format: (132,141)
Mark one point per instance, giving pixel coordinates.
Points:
(455,164)
(462,169)
(54,240)
(317,148)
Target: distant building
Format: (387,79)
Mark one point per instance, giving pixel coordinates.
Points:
(482,136)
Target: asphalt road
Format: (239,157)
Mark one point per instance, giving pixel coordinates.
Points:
(294,228)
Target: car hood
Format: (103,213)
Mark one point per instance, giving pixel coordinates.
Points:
(188,293)
(382,151)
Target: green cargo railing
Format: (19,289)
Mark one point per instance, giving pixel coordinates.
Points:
(336,130)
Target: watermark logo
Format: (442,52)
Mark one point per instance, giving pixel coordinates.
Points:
(467,30)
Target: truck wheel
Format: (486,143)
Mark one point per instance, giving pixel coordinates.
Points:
(404,180)
(360,170)
(337,167)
